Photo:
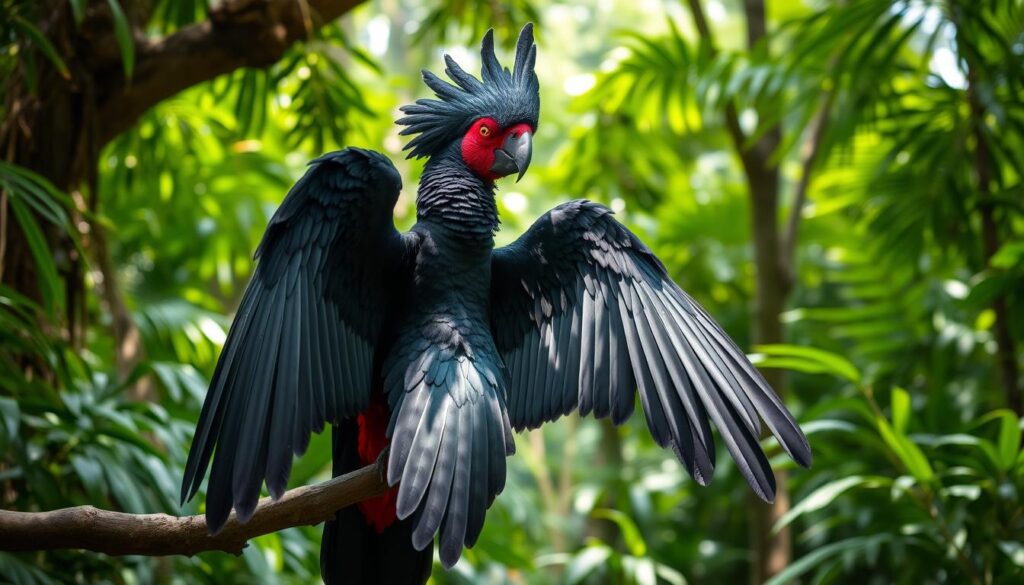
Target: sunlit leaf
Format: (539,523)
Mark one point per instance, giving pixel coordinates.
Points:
(828,361)
(907,452)
(631,536)
(901,410)
(1009,439)
(1014,551)
(586,562)
(1005,451)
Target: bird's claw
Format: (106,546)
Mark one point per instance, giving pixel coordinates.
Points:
(382,464)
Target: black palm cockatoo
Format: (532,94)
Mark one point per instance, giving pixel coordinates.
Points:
(437,344)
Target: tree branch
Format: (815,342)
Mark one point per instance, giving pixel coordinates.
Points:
(117,533)
(239,33)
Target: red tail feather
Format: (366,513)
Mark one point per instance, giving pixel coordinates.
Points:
(373,424)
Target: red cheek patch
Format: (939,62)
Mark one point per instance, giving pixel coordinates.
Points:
(478,157)
(478,150)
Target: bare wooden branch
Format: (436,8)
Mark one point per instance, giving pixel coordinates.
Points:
(118,533)
(239,33)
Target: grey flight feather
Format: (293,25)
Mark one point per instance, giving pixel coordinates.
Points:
(636,328)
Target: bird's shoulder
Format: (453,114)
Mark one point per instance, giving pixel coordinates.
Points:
(348,194)
(565,234)
(336,176)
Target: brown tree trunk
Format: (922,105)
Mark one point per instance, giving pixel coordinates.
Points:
(42,131)
(59,129)
(771,551)
(1006,351)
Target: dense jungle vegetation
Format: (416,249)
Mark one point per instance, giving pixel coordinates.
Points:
(840,183)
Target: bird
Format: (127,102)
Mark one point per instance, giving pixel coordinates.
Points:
(435,344)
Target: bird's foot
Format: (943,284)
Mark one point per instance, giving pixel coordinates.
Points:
(382,464)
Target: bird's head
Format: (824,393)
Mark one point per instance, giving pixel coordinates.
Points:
(491,119)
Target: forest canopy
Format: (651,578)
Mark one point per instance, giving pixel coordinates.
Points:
(840,183)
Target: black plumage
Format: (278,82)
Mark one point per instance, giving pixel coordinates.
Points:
(459,342)
(300,351)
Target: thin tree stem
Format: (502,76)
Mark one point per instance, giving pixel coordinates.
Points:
(117,533)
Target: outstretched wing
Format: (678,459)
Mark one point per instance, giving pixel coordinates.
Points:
(300,351)
(583,313)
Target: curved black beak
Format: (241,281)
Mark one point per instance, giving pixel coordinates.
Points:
(514,155)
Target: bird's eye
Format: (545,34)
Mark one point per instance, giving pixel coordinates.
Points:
(485,131)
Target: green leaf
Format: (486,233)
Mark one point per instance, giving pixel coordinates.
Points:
(900,410)
(10,415)
(970,492)
(1009,255)
(49,281)
(1014,550)
(630,533)
(29,178)
(1004,452)
(256,561)
(1009,439)
(828,425)
(584,563)
(78,10)
(641,571)
(787,363)
(825,553)
(906,451)
(42,43)
(125,39)
(824,495)
(670,575)
(20,572)
(828,361)
(90,472)
(126,491)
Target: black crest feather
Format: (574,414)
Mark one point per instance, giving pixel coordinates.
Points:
(510,97)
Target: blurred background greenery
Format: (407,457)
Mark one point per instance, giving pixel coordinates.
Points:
(838,182)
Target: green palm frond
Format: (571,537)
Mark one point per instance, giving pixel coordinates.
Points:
(472,19)
(33,199)
(884,316)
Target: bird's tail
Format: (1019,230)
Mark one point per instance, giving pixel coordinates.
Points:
(364,544)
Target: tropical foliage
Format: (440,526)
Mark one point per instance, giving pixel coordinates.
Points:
(901,150)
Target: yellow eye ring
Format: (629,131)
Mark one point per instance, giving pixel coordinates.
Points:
(485,131)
